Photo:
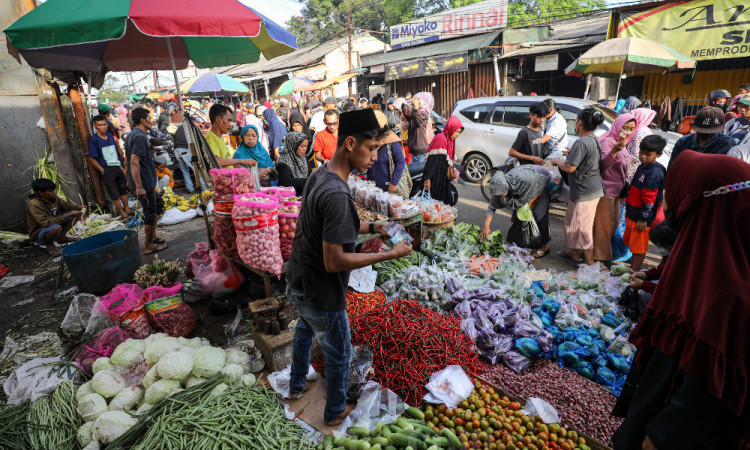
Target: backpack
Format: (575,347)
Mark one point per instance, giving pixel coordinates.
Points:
(686,125)
(741,134)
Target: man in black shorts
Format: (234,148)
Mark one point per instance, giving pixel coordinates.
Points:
(106,157)
(142,175)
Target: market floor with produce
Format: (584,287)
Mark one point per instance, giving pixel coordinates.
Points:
(467,320)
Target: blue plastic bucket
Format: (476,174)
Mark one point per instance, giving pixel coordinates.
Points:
(100,262)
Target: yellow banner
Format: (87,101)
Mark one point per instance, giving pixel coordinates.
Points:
(700,29)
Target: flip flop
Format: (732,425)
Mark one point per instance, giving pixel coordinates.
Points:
(159,241)
(567,256)
(157,249)
(536,254)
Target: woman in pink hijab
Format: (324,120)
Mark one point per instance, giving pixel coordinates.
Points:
(122,120)
(643,118)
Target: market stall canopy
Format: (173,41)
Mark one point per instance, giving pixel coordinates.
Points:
(128,35)
(213,84)
(292,86)
(167,97)
(632,56)
(325,83)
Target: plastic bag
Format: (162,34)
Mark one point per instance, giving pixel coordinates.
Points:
(103,344)
(359,371)
(76,320)
(193,291)
(220,277)
(376,404)
(450,386)
(538,407)
(230,182)
(124,305)
(528,347)
(589,274)
(524,233)
(256,219)
(468,328)
(288,216)
(225,236)
(199,256)
(33,380)
(167,312)
(516,361)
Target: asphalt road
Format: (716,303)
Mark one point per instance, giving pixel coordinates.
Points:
(472,206)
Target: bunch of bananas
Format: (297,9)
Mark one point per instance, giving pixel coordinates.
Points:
(207,195)
(171,200)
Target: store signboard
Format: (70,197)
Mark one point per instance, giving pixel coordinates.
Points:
(700,29)
(471,19)
(433,65)
(545,63)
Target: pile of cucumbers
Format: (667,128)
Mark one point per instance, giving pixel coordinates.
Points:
(407,433)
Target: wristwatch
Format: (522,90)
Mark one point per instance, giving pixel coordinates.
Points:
(372,227)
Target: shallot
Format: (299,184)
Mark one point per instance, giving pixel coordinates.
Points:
(230,182)
(256,222)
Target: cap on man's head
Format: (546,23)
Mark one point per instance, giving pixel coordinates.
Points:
(745,99)
(358,121)
(330,100)
(161,158)
(390,100)
(103,109)
(709,120)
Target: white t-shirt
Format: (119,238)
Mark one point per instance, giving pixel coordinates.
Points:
(557,127)
(318,121)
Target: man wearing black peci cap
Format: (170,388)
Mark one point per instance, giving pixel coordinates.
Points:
(708,137)
(323,256)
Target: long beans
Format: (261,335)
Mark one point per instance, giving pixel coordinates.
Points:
(14,427)
(238,418)
(53,421)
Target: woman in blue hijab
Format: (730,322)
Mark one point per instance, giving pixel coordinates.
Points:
(276,132)
(251,148)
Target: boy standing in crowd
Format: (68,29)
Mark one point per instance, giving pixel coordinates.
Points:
(105,156)
(644,198)
(49,217)
(528,147)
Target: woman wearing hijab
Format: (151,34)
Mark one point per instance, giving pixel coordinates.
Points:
(251,149)
(297,122)
(613,169)
(257,121)
(689,386)
(643,118)
(122,120)
(438,170)
(292,165)
(276,132)
(380,172)
(523,185)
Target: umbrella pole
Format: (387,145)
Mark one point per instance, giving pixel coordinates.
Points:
(619,82)
(191,143)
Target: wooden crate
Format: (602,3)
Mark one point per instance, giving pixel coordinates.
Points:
(276,349)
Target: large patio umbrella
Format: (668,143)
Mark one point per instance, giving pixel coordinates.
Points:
(291,86)
(631,56)
(128,35)
(211,83)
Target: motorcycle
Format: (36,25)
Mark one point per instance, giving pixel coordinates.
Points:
(505,167)
(416,170)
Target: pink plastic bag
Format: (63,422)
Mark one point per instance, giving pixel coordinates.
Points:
(167,312)
(124,305)
(198,256)
(288,215)
(256,220)
(220,277)
(101,345)
(285,191)
(230,182)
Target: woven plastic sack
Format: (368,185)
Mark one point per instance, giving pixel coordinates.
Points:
(103,344)
(256,219)
(230,182)
(167,312)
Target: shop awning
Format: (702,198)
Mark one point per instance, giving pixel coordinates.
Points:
(438,48)
(556,46)
(326,83)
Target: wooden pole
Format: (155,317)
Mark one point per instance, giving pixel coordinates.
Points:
(83,129)
(349,45)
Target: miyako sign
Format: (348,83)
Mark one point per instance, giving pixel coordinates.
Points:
(700,29)
(471,19)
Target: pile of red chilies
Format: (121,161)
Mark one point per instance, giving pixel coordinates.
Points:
(410,343)
(358,303)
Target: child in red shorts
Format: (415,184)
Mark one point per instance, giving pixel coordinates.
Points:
(644,198)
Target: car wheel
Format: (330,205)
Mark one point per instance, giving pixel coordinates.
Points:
(476,166)
(485,183)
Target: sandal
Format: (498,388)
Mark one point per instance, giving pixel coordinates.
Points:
(567,256)
(156,249)
(159,241)
(540,254)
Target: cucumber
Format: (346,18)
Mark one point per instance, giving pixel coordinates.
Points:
(390,447)
(452,438)
(424,429)
(415,413)
(328,443)
(374,433)
(402,423)
(433,447)
(385,430)
(394,428)
(379,427)
(359,432)
(379,440)
(376,447)
(402,440)
(439,441)
(414,433)
(356,444)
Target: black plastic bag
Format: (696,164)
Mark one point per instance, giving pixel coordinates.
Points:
(629,301)
(524,234)
(360,369)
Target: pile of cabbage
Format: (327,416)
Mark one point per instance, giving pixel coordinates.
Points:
(141,372)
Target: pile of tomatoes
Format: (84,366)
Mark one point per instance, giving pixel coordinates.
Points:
(485,420)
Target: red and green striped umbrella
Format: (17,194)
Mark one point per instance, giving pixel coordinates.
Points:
(128,35)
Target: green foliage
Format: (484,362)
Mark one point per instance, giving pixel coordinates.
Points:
(525,12)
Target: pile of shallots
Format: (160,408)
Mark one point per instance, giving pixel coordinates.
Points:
(256,221)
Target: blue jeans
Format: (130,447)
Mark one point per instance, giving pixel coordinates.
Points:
(331,329)
(41,238)
(418,158)
(183,159)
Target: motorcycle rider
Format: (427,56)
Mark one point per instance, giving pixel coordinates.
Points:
(720,98)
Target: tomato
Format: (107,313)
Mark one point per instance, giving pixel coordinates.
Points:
(515,406)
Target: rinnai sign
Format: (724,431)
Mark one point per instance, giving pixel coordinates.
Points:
(475,18)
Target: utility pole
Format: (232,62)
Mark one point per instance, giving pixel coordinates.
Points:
(349,44)
(156,80)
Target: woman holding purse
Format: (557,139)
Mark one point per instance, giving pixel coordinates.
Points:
(438,170)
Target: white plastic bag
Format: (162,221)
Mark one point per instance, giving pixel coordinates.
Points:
(209,209)
(538,407)
(279,381)
(375,404)
(175,216)
(363,280)
(450,386)
(32,381)
(13,281)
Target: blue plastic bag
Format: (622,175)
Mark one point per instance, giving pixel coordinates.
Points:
(620,251)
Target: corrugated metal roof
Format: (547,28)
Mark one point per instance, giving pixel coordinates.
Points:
(567,34)
(438,48)
(300,57)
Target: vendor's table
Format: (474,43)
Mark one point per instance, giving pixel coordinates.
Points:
(265,275)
